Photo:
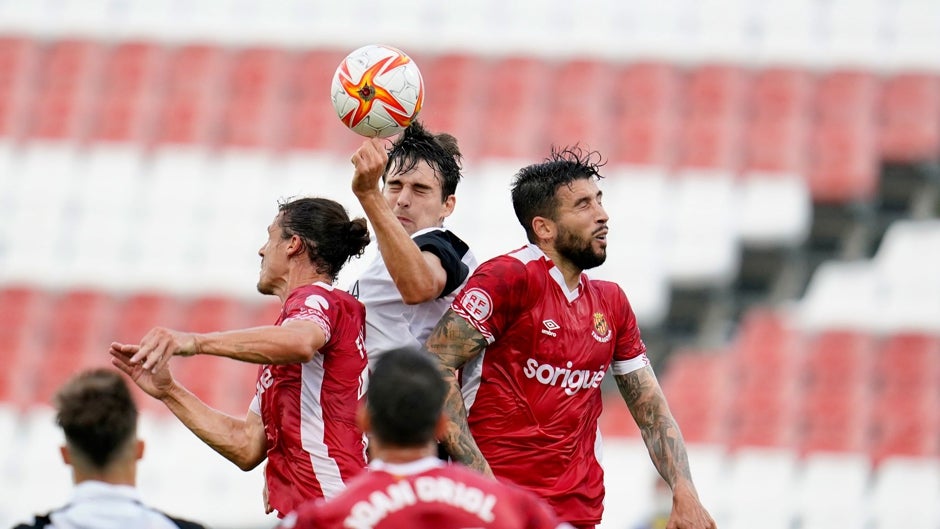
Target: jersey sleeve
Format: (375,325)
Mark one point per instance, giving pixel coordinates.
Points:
(495,294)
(450,249)
(310,304)
(630,352)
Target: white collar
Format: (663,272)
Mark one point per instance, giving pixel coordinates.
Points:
(406,469)
(93,490)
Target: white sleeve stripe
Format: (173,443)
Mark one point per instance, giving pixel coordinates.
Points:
(476,325)
(622,367)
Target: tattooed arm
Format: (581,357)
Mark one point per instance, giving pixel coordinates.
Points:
(455,342)
(647,404)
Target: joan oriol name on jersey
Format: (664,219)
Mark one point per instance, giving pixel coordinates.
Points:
(365,514)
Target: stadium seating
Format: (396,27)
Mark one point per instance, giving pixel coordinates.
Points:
(143,147)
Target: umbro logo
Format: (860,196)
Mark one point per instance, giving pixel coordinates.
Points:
(550,327)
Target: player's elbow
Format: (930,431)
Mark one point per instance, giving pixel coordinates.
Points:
(247,465)
(417,293)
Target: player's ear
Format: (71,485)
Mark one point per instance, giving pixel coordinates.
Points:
(543,228)
(449,203)
(139,449)
(66,455)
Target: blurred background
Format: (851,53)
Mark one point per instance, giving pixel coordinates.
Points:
(772,183)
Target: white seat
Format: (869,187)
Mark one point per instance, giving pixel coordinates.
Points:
(905,491)
(704,249)
(906,265)
(761,482)
(832,487)
(840,295)
(775,210)
(637,483)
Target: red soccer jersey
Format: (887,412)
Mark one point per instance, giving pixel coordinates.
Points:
(533,396)
(308,410)
(425,494)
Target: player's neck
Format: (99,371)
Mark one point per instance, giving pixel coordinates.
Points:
(400,455)
(569,270)
(302,277)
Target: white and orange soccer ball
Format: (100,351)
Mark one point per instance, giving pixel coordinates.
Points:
(377,91)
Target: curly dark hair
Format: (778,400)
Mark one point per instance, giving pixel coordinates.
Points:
(440,151)
(534,187)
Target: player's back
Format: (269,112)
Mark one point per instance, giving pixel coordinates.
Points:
(426,494)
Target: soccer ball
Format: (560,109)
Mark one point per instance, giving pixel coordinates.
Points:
(377,91)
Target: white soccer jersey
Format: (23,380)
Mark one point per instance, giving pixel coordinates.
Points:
(390,323)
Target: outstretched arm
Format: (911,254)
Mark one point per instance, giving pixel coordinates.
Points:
(418,276)
(241,441)
(455,342)
(293,341)
(647,404)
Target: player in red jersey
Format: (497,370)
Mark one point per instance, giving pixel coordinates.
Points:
(533,337)
(407,485)
(313,368)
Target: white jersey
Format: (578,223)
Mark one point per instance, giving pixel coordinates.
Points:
(390,323)
(99,505)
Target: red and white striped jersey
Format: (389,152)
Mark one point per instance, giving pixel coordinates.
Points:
(309,409)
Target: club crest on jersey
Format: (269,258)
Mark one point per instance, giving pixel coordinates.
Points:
(601,331)
(477,303)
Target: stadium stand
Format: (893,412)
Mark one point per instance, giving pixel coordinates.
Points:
(773,183)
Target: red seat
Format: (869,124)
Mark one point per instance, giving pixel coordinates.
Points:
(907,361)
(717,91)
(16,55)
(75,338)
(909,114)
(128,84)
(211,314)
(253,101)
(835,359)
(694,384)
(776,145)
(846,96)
(140,312)
(311,122)
(644,140)
(780,93)
(646,89)
(843,164)
(513,109)
(709,142)
(187,108)
(58,107)
(833,418)
(905,422)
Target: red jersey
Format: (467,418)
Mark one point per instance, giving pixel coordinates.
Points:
(308,410)
(533,396)
(425,494)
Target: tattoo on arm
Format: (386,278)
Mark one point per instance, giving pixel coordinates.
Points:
(647,404)
(455,342)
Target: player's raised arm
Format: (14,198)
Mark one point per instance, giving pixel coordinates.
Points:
(647,404)
(455,342)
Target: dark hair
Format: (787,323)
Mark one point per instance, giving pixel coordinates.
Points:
(97,414)
(534,187)
(405,397)
(330,237)
(440,151)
